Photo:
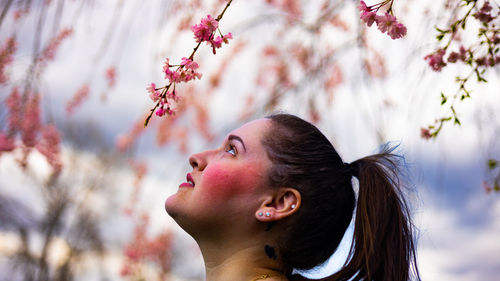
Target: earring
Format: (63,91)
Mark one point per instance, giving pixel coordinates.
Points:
(293,206)
(260,214)
(268,214)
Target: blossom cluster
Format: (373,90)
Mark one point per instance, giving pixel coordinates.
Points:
(80,95)
(187,69)
(50,50)
(6,57)
(156,250)
(24,121)
(481,55)
(385,22)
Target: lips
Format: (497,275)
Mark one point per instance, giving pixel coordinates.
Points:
(189,181)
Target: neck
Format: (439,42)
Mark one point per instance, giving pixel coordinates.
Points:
(237,260)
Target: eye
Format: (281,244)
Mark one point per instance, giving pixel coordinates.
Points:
(231,149)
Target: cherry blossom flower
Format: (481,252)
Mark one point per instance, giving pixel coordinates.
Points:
(425,133)
(13,103)
(153,93)
(367,14)
(6,57)
(30,125)
(398,30)
(6,143)
(49,146)
(160,112)
(483,14)
(204,31)
(217,42)
(435,60)
(50,50)
(453,57)
(385,23)
(184,73)
(111,76)
(187,69)
(77,99)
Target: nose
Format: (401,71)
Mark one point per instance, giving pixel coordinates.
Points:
(198,161)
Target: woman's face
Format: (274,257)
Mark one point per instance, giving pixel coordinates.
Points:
(226,183)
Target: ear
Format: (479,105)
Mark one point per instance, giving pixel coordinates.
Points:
(280,205)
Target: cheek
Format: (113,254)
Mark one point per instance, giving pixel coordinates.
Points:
(223,182)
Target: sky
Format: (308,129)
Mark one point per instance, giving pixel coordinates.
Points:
(457,221)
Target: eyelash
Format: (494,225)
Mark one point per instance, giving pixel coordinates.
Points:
(232,147)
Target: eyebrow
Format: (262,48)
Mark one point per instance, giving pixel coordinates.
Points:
(234,137)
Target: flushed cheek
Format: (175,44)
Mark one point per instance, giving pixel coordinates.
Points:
(221,182)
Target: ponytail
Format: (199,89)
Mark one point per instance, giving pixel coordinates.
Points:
(383,248)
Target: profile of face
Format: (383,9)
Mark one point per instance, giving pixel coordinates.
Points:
(226,184)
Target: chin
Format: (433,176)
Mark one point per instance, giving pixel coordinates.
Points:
(170,206)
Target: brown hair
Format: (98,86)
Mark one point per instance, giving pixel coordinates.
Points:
(383,247)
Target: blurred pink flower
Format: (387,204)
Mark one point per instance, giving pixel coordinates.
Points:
(49,146)
(50,50)
(153,93)
(385,22)
(453,57)
(368,17)
(6,143)
(30,125)
(435,60)
(483,14)
(160,111)
(425,133)
(77,99)
(6,57)
(398,30)
(111,76)
(14,105)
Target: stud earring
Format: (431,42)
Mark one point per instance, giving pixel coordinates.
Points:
(261,214)
(293,206)
(268,214)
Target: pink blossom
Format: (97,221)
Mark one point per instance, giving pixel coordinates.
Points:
(453,57)
(6,143)
(425,133)
(397,31)
(463,53)
(484,13)
(369,17)
(386,22)
(189,63)
(77,99)
(154,94)
(160,111)
(363,8)
(49,146)
(204,31)
(14,105)
(6,57)
(185,74)
(111,76)
(226,37)
(217,42)
(31,121)
(50,50)
(435,60)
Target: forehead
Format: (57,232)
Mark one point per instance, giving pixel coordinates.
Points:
(253,130)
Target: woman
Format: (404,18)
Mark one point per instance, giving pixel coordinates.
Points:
(276,196)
